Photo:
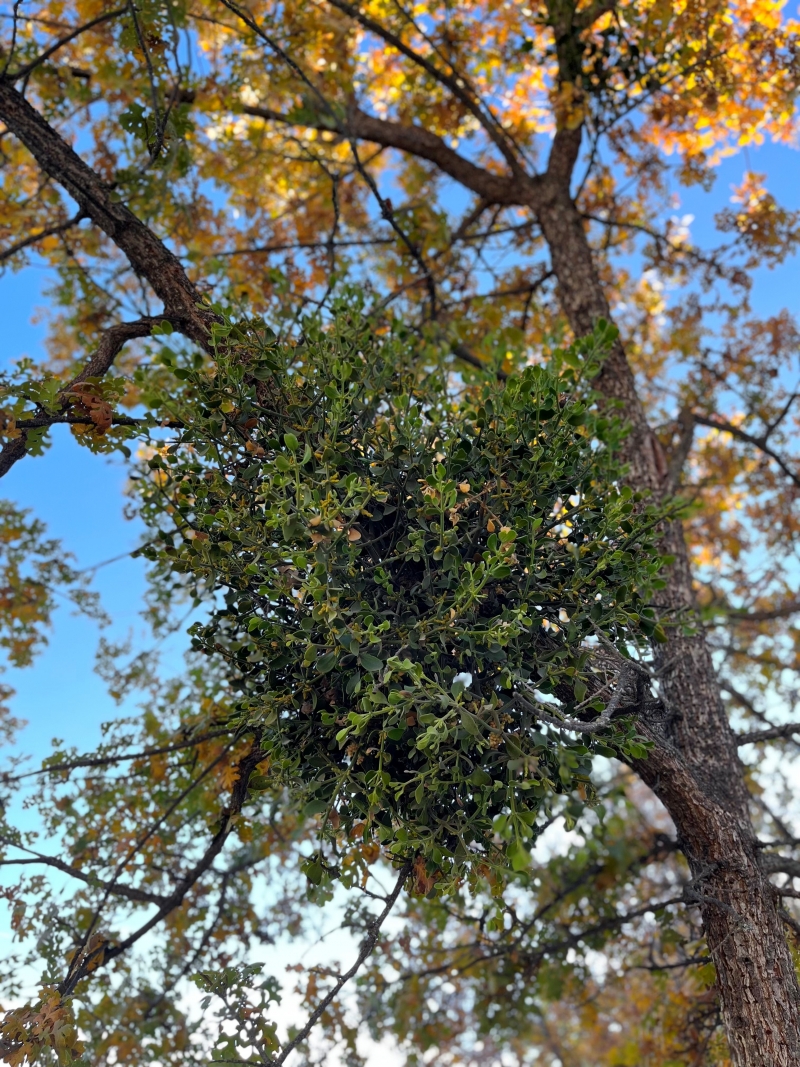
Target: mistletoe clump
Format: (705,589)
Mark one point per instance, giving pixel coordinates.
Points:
(410,578)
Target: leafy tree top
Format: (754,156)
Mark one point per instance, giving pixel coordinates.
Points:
(333,135)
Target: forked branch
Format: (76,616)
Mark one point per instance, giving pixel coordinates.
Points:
(760,442)
(98,364)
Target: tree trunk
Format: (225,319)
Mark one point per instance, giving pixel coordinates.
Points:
(695,769)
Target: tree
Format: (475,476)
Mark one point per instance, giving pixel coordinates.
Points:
(496,101)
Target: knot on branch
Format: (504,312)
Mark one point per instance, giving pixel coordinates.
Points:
(625,685)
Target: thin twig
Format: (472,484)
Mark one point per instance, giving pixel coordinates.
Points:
(26,70)
(366,950)
(753,737)
(52,231)
(105,761)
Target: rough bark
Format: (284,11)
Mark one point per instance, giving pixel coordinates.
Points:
(694,770)
(149,256)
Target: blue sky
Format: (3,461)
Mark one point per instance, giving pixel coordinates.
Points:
(773,289)
(80,496)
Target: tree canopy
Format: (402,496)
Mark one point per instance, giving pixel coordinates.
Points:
(520,508)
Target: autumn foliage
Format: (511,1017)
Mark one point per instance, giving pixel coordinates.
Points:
(499,182)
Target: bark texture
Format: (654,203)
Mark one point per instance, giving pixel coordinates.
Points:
(148,256)
(695,769)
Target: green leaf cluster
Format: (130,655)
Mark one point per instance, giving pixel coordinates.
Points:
(393,558)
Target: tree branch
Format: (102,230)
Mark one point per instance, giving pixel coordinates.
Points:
(38,421)
(78,969)
(760,443)
(24,71)
(366,950)
(417,141)
(780,865)
(112,341)
(586,18)
(11,453)
(468,356)
(492,127)
(104,761)
(563,157)
(26,242)
(147,254)
(291,246)
(115,888)
(754,736)
(783,611)
(98,365)
(591,726)
(680,454)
